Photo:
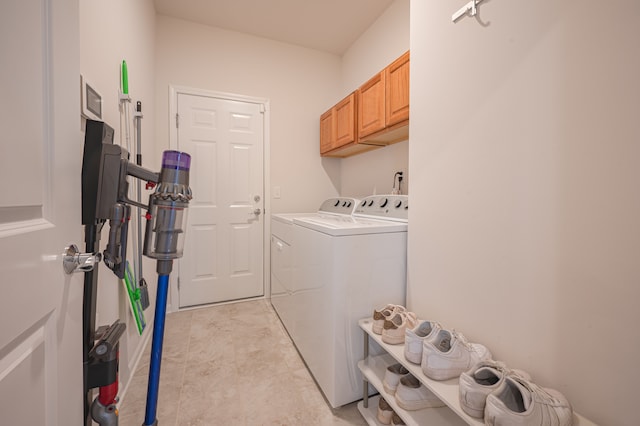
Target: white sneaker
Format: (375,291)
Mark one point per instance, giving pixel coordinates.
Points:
(379,316)
(392,376)
(519,402)
(414,337)
(448,354)
(413,395)
(478,382)
(393,329)
(385,412)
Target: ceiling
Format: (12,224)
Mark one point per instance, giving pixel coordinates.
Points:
(326,25)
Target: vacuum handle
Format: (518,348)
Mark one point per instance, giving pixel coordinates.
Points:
(105,348)
(112,254)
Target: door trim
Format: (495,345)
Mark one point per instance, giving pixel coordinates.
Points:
(174,91)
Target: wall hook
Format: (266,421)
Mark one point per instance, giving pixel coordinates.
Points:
(470,8)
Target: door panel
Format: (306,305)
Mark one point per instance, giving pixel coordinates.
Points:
(40,310)
(223,258)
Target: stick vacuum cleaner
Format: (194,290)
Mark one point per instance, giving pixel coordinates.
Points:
(166,221)
(106,168)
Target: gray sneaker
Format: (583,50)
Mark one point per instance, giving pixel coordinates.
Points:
(449,354)
(481,380)
(413,395)
(519,402)
(415,337)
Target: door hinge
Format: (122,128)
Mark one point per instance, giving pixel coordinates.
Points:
(177,120)
(178,283)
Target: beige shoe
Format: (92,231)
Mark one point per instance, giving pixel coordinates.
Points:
(383,314)
(392,376)
(413,395)
(385,412)
(393,329)
(396,420)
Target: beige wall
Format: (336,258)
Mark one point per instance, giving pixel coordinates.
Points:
(525,190)
(384,41)
(298,82)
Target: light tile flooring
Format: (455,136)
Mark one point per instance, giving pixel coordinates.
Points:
(231,365)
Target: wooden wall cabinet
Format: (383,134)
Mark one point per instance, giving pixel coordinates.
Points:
(397,91)
(338,137)
(375,115)
(326,132)
(383,101)
(338,125)
(344,115)
(371,114)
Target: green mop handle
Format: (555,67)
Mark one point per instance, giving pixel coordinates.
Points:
(125,78)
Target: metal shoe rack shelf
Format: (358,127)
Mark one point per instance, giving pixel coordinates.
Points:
(373,369)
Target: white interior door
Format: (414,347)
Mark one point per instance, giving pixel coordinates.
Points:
(40,161)
(223,257)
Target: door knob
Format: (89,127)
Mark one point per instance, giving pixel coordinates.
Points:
(255,212)
(74,261)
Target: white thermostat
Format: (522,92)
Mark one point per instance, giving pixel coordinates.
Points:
(91,101)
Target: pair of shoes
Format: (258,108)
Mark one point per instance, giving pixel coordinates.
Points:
(392,377)
(397,421)
(448,354)
(393,329)
(415,337)
(385,412)
(517,401)
(379,316)
(410,394)
(480,381)
(387,416)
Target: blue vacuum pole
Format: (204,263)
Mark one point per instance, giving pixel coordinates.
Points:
(156,351)
(164,241)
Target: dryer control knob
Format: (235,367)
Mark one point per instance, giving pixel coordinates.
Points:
(398,204)
(384,202)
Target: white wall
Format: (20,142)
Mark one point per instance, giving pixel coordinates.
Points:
(383,42)
(110,32)
(524,181)
(298,82)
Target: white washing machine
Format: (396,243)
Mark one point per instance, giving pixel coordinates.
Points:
(342,267)
(282,288)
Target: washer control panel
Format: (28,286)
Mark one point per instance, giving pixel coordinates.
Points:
(392,207)
(340,205)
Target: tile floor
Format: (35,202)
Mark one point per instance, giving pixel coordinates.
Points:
(231,365)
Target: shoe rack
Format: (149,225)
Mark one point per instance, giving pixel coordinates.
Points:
(373,368)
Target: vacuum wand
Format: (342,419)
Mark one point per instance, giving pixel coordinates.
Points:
(164,241)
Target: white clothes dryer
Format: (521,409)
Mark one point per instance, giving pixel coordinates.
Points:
(342,268)
(281,252)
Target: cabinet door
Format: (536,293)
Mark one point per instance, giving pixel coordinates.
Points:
(397,90)
(326,131)
(371,110)
(345,123)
